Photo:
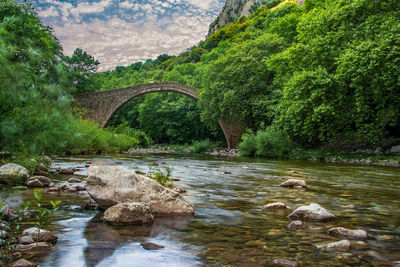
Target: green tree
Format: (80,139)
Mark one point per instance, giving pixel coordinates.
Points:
(340,80)
(171,118)
(237,86)
(81,67)
(34,95)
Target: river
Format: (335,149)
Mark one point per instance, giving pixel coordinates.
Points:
(230,227)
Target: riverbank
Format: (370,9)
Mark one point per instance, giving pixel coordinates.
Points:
(368,158)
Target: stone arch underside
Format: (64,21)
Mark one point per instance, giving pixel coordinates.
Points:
(100,106)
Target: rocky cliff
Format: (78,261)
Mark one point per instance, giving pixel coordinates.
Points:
(232,10)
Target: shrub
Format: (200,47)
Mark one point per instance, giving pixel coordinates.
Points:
(270,143)
(202,146)
(248,145)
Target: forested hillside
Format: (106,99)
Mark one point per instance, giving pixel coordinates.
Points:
(323,74)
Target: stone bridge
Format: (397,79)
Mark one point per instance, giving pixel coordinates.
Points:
(100,106)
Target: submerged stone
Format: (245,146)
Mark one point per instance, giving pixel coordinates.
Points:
(151,246)
(312,212)
(294,183)
(285,262)
(343,245)
(347,233)
(296,225)
(23,263)
(42,179)
(275,206)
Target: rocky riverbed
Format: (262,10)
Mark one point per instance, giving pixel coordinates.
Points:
(247,213)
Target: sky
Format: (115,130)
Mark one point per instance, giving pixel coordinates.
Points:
(121,32)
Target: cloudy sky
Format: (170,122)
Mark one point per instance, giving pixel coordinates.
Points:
(121,32)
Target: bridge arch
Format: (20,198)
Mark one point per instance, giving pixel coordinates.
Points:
(100,106)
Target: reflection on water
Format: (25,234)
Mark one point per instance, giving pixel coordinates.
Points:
(230,227)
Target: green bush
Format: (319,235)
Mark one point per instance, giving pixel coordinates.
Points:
(248,145)
(202,146)
(270,143)
(89,137)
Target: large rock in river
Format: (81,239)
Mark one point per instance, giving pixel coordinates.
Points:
(110,185)
(13,173)
(128,213)
(312,212)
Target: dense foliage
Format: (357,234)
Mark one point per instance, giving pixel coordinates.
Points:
(340,79)
(323,74)
(35,89)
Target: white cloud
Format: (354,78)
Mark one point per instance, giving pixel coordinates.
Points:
(131,32)
(50,12)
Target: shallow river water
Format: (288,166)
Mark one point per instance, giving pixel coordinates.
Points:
(230,227)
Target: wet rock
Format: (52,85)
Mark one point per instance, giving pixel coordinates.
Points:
(128,213)
(79,187)
(275,206)
(40,172)
(90,206)
(347,233)
(176,179)
(40,236)
(13,173)
(26,240)
(151,246)
(43,180)
(52,190)
(285,262)
(312,212)
(294,172)
(294,183)
(35,183)
(67,188)
(16,256)
(179,190)
(110,185)
(343,245)
(23,263)
(71,189)
(66,171)
(39,248)
(227,172)
(296,225)
(74,180)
